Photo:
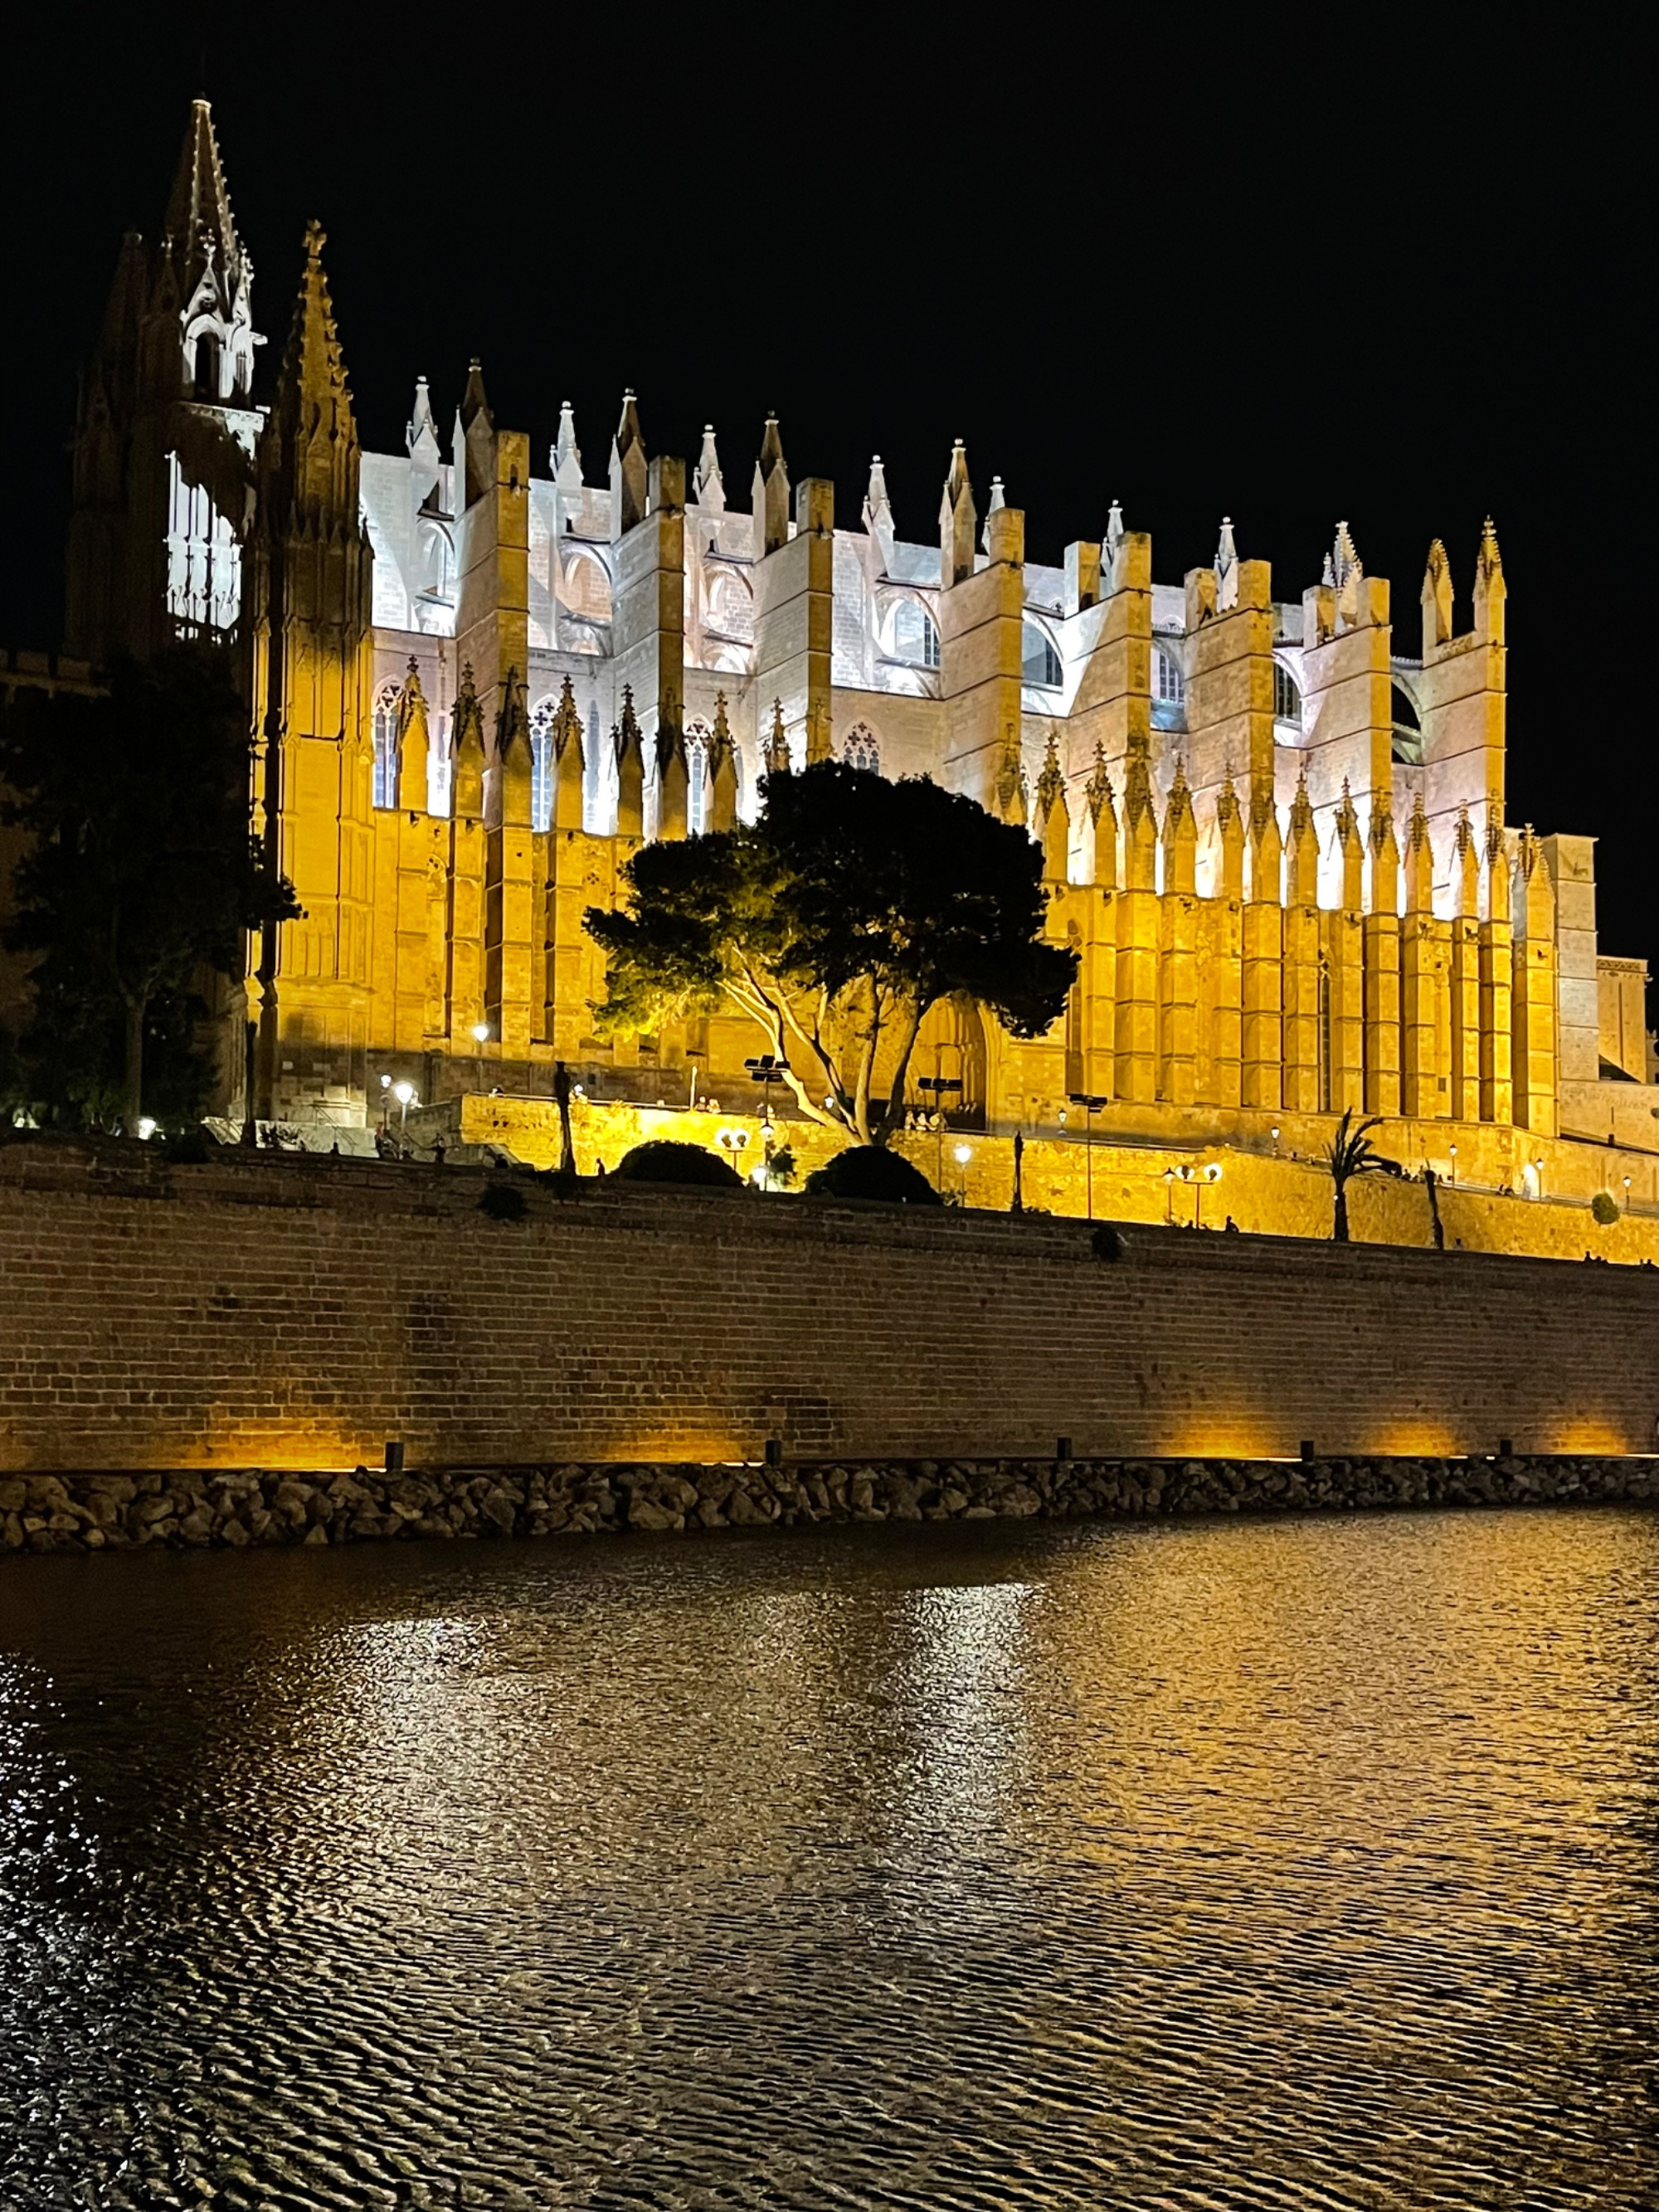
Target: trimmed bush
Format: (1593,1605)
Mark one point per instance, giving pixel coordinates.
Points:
(667,1160)
(500,1202)
(1605,1208)
(872,1171)
(1106,1243)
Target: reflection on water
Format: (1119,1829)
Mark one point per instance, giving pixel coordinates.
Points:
(959,1868)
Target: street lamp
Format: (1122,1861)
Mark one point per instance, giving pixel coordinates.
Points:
(1092,1104)
(963,1154)
(766,1069)
(404,1095)
(1452,1149)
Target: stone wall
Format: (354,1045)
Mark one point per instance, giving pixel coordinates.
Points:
(296,1312)
(177,1512)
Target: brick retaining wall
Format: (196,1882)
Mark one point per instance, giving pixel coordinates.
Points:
(296,1312)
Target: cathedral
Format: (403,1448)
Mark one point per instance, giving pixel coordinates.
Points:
(478,676)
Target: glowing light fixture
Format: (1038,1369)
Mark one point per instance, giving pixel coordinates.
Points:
(146,1130)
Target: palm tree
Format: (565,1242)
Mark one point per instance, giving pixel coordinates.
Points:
(1353,1153)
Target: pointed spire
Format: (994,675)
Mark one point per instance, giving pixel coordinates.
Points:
(997,500)
(308,451)
(630,769)
(467,749)
(1302,888)
(1351,849)
(878,508)
(1102,822)
(1226,567)
(956,519)
(1014,802)
(207,269)
(1420,862)
(421,425)
(628,472)
(569,761)
(777,742)
(1348,575)
(413,743)
(1180,836)
(1490,589)
(1466,868)
(567,455)
(707,480)
(769,504)
(1230,840)
(513,723)
(1140,819)
(721,766)
(1437,597)
(474,403)
(1053,821)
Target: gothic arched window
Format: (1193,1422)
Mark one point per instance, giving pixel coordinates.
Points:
(584,587)
(1287,700)
(1039,657)
(386,746)
(1169,691)
(913,635)
(696,778)
(862,748)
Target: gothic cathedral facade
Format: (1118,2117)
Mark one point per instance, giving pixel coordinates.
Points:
(1278,843)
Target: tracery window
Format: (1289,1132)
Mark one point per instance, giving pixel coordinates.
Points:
(1039,657)
(386,746)
(541,766)
(1169,685)
(860,748)
(696,778)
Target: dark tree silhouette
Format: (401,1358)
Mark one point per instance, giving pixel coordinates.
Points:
(833,923)
(140,871)
(1351,1154)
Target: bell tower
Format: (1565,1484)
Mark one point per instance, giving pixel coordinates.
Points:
(164,441)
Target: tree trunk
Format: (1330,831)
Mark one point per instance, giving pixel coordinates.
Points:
(1340,1227)
(132,1095)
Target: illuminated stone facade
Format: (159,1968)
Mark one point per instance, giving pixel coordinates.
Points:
(1278,843)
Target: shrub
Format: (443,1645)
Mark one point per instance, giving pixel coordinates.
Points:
(1605,1208)
(872,1171)
(190,1147)
(498,1201)
(667,1160)
(1106,1243)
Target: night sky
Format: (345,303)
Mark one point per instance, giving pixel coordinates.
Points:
(1319,267)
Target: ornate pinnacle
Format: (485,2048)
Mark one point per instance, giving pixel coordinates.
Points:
(1051,783)
(1098,789)
(777,743)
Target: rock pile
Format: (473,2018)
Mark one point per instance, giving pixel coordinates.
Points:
(97,1512)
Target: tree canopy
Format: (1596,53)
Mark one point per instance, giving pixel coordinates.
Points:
(140,872)
(835,922)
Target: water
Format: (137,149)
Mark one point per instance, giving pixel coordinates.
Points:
(1279,1864)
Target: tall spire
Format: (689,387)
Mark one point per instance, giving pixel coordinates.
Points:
(309,450)
(770,504)
(1437,597)
(998,499)
(566,455)
(628,470)
(205,276)
(707,480)
(957,518)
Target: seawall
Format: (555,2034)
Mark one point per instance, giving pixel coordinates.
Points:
(178,1511)
(296,1312)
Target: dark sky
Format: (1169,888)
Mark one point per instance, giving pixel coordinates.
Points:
(1323,264)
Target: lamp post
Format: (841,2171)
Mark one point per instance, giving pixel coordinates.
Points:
(766,1069)
(404,1095)
(1169,1197)
(1092,1104)
(942,1086)
(1452,1149)
(963,1154)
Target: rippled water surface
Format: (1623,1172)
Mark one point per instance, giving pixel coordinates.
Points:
(1278,1864)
